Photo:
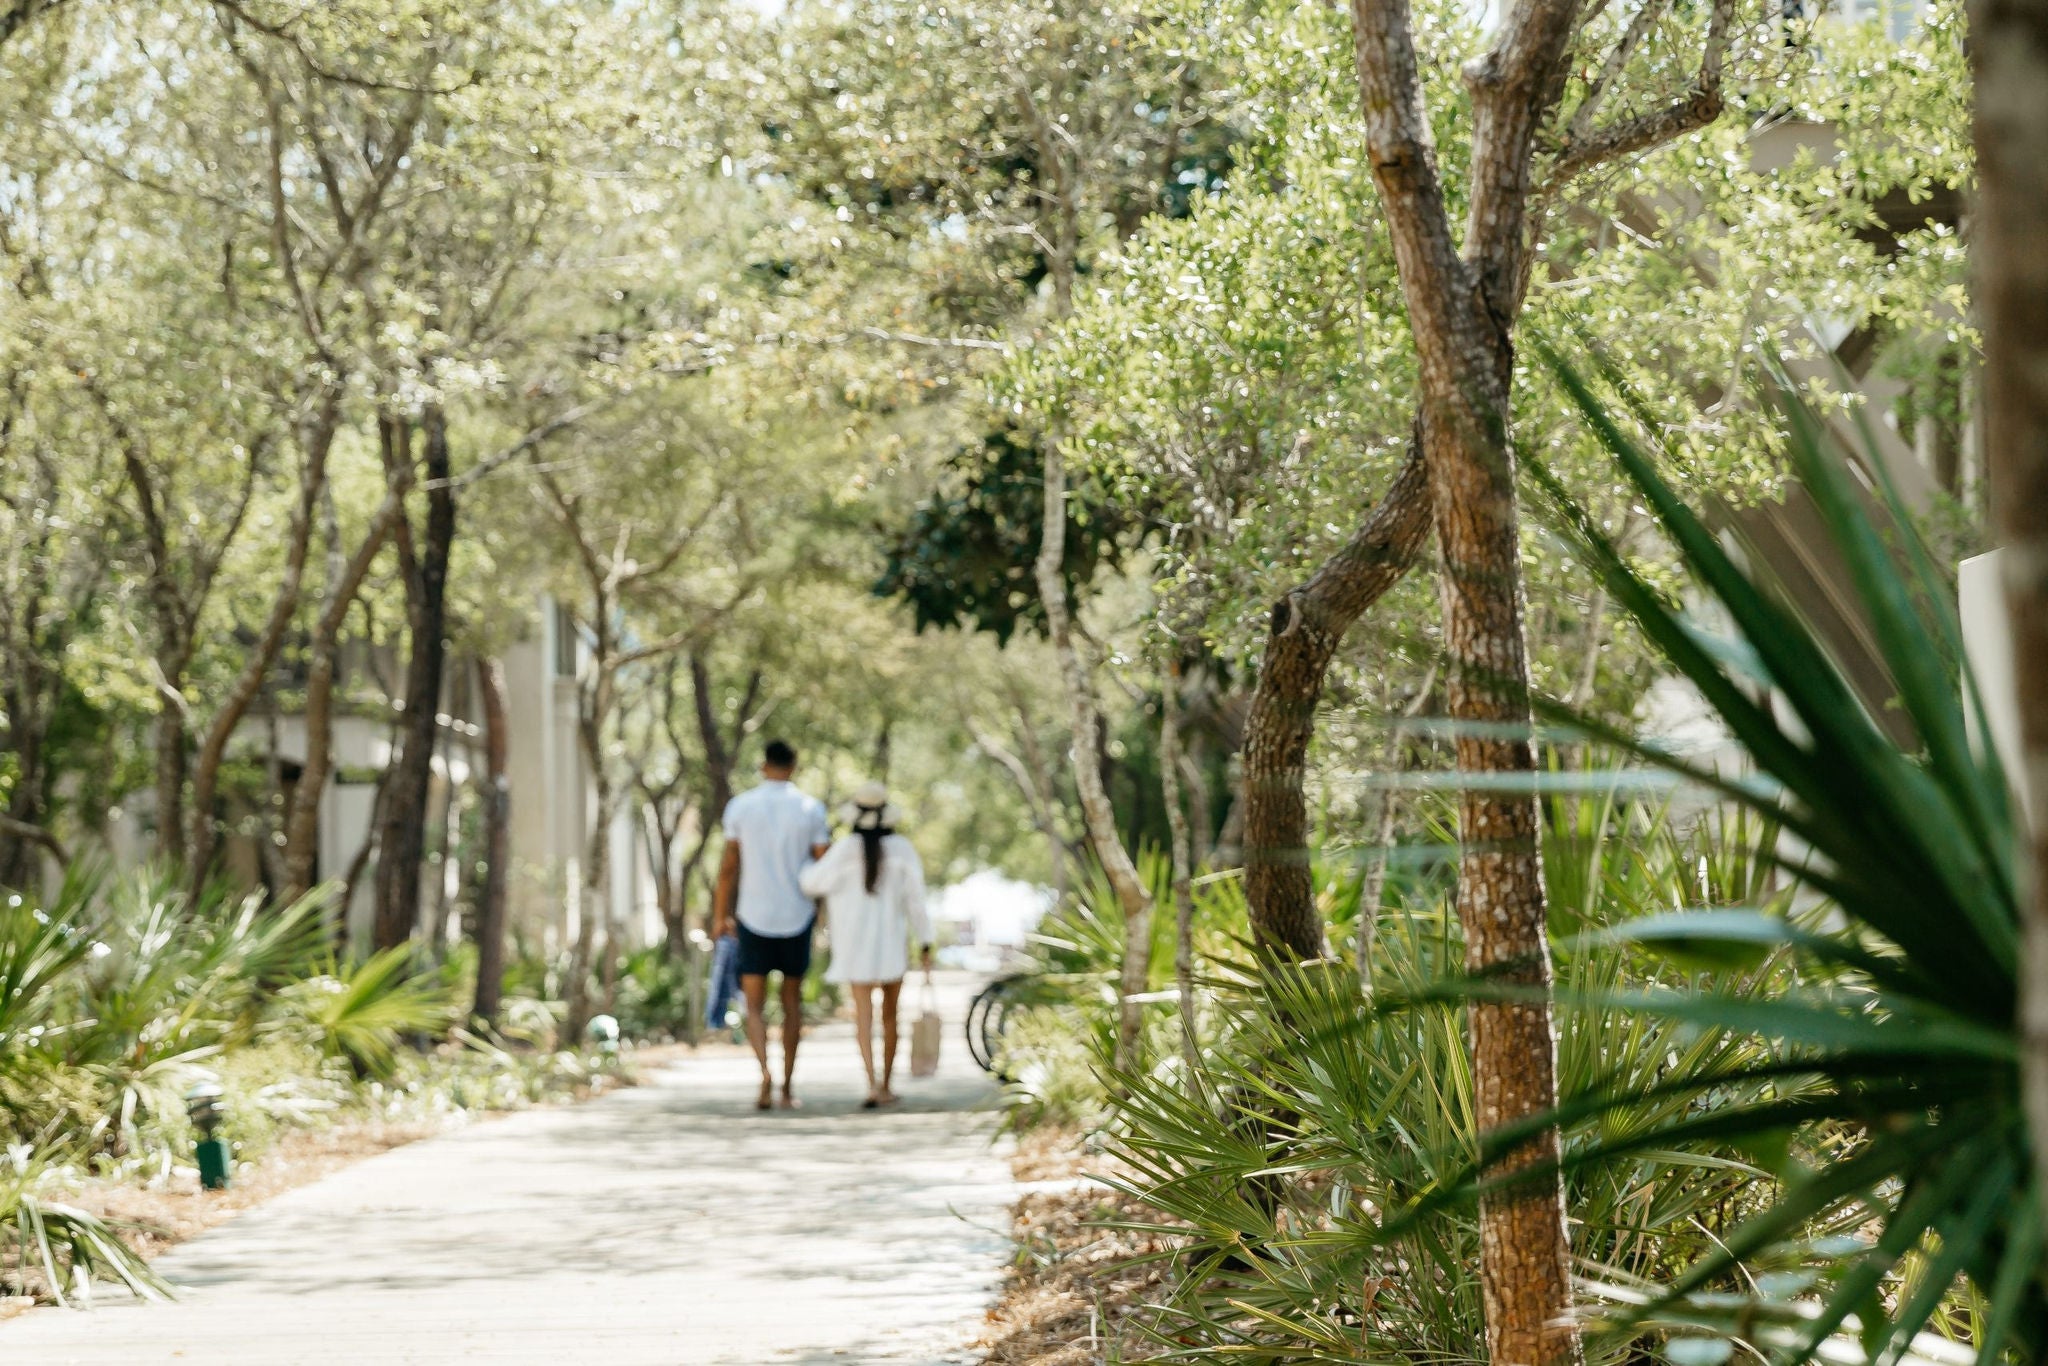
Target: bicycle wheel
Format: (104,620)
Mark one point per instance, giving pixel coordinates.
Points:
(980,1042)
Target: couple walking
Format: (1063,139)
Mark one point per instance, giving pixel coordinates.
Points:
(780,866)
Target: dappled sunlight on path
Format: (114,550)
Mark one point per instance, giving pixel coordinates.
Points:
(671,1223)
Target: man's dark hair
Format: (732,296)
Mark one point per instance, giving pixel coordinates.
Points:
(779,754)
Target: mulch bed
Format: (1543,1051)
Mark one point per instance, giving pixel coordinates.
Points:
(1074,1284)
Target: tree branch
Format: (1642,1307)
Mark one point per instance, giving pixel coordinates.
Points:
(1586,147)
(1403,154)
(1308,625)
(1639,25)
(490,464)
(34,834)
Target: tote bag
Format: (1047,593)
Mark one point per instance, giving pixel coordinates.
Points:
(924,1034)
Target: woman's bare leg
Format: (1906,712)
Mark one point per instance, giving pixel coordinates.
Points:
(891,993)
(864,1028)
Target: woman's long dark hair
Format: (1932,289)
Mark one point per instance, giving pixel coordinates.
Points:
(868,825)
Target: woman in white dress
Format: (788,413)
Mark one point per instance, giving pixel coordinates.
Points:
(873,885)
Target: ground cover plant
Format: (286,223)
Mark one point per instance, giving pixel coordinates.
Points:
(1319,1111)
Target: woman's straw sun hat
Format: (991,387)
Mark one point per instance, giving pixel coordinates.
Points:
(869,800)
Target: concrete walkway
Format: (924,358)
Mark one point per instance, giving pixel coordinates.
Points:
(668,1225)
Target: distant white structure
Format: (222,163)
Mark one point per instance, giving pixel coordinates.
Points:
(991,910)
(553,800)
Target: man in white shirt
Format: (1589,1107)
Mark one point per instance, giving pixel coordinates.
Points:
(771,832)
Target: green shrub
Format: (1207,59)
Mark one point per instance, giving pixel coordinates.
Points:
(659,995)
(362,1011)
(1290,1170)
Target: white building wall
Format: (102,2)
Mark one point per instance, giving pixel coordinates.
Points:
(553,800)
(1987,642)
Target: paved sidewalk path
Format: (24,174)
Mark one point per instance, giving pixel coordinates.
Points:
(670,1225)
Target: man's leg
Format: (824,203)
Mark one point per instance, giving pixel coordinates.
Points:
(864,1030)
(755,987)
(892,992)
(792,1034)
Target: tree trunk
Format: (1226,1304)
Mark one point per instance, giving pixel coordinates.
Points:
(1524,1249)
(671,896)
(284,605)
(1086,727)
(1183,869)
(2009,49)
(404,840)
(302,825)
(719,759)
(661,858)
(603,933)
(434,924)
(358,864)
(32,835)
(1201,802)
(269,856)
(1031,786)
(1307,627)
(490,918)
(1461,307)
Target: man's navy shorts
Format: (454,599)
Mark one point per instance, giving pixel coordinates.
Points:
(761,954)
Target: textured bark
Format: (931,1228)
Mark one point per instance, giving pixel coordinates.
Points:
(490,918)
(1085,721)
(2009,48)
(1461,309)
(1307,626)
(1183,868)
(403,844)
